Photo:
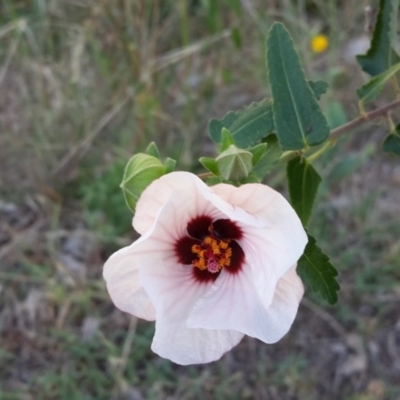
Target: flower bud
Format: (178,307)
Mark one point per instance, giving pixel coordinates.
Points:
(234,163)
(141,170)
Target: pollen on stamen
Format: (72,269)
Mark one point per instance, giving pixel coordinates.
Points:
(200,263)
(211,247)
(215,247)
(223,245)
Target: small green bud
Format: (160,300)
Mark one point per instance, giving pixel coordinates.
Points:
(234,163)
(141,170)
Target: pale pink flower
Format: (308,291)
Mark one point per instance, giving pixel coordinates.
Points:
(213,264)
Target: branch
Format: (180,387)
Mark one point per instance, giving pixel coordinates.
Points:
(335,133)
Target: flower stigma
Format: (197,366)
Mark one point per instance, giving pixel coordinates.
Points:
(212,254)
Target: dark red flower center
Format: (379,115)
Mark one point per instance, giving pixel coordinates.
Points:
(211,246)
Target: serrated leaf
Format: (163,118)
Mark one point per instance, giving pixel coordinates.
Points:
(248,125)
(318,87)
(298,119)
(253,123)
(269,159)
(210,164)
(303,182)
(371,89)
(381,54)
(317,272)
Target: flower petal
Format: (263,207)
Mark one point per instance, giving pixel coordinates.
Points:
(158,192)
(173,291)
(284,226)
(232,304)
(122,277)
(156,195)
(121,270)
(274,249)
(185,346)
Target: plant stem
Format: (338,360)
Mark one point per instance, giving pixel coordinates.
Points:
(355,123)
(321,150)
(335,133)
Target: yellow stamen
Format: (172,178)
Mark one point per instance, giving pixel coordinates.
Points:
(212,253)
(223,245)
(207,240)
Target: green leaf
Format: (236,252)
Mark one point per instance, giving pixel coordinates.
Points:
(381,54)
(303,182)
(248,125)
(213,180)
(318,88)
(392,142)
(317,272)
(226,140)
(298,119)
(152,150)
(210,164)
(371,89)
(234,163)
(169,165)
(253,123)
(257,151)
(269,159)
(252,178)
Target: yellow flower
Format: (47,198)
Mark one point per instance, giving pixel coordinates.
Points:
(319,43)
